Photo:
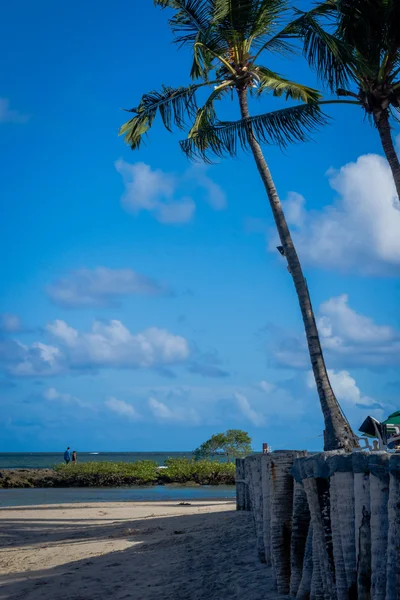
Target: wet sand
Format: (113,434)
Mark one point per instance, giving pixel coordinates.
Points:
(142,551)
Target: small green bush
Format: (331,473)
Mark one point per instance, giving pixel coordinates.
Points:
(203,472)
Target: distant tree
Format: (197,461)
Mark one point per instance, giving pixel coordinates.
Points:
(237,443)
(232,443)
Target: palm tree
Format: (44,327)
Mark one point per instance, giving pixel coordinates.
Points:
(354,45)
(227,38)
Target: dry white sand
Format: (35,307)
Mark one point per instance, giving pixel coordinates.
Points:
(142,551)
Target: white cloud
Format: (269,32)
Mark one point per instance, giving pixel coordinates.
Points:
(177,414)
(121,408)
(107,345)
(215,195)
(245,408)
(348,339)
(266,387)
(37,359)
(337,317)
(10,323)
(176,212)
(346,390)
(294,209)
(9,115)
(54,395)
(101,286)
(165,195)
(360,231)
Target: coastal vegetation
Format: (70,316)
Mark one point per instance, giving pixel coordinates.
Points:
(114,474)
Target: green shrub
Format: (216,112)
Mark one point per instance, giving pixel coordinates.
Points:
(203,472)
(108,473)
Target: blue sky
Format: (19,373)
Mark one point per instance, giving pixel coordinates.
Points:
(143,304)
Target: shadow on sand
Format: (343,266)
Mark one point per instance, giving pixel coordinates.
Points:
(204,556)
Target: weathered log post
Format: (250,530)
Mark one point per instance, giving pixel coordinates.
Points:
(379,497)
(362,523)
(393,551)
(344,551)
(266,493)
(300,528)
(240,485)
(304,589)
(316,486)
(253,479)
(281,502)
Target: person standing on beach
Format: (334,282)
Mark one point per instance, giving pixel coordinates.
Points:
(74,457)
(67,456)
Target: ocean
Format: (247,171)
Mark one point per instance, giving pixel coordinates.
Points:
(42,460)
(157,493)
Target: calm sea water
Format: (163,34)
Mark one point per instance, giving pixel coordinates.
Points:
(41,460)
(33,497)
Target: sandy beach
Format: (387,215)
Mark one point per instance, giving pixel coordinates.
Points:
(145,551)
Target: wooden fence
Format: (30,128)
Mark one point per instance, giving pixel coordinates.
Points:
(327,524)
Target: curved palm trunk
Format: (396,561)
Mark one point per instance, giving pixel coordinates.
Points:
(383,127)
(338,430)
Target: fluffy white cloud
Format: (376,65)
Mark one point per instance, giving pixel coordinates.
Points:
(164,195)
(108,344)
(9,115)
(10,323)
(348,339)
(360,230)
(338,317)
(176,414)
(266,387)
(214,194)
(121,408)
(345,388)
(245,408)
(54,395)
(101,287)
(37,359)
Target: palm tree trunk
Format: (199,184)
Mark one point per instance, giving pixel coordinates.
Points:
(383,127)
(338,431)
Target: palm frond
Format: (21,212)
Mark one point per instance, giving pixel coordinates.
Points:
(243,19)
(331,57)
(190,18)
(266,17)
(206,115)
(277,44)
(281,127)
(173,105)
(273,82)
(209,50)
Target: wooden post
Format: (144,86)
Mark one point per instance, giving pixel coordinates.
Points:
(240,485)
(253,478)
(379,497)
(393,556)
